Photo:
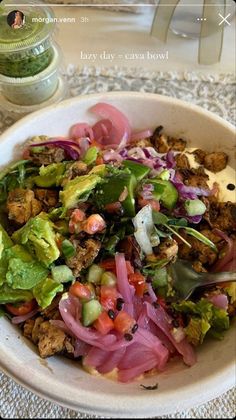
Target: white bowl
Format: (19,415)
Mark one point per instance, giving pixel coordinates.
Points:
(63,381)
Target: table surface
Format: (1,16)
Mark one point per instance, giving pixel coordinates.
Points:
(115,37)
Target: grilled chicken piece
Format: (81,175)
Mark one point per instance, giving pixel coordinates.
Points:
(199,155)
(198,251)
(48,198)
(52,311)
(47,155)
(222,216)
(176,144)
(159,141)
(182,161)
(51,340)
(195,177)
(216,161)
(85,254)
(167,250)
(22,205)
(197,266)
(36,329)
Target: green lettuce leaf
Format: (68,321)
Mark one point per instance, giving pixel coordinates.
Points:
(25,275)
(45,292)
(196,330)
(9,295)
(203,318)
(231,291)
(39,237)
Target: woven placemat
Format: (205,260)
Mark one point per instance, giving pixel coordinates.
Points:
(215,93)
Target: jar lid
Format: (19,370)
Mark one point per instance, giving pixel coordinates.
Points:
(38,24)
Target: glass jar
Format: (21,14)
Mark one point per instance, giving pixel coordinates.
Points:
(30,60)
(28,50)
(33,89)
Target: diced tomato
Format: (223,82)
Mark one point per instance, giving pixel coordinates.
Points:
(108,297)
(161,302)
(140,289)
(94,223)
(80,290)
(155,205)
(26,154)
(76,218)
(139,282)
(22,308)
(110,265)
(123,322)
(130,268)
(113,207)
(104,323)
(99,160)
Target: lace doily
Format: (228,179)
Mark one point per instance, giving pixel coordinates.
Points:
(213,92)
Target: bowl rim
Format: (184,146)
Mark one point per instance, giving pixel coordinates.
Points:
(140,404)
(117,94)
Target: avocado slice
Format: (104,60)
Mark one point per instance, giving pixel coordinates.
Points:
(78,187)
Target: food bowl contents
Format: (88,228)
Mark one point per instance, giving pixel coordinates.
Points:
(30,60)
(91,223)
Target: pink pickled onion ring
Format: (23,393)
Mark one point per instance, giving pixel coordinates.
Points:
(81,130)
(102,130)
(22,318)
(121,131)
(141,135)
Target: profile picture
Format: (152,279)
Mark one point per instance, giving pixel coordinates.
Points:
(16,19)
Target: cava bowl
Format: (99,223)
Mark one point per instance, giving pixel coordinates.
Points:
(64,381)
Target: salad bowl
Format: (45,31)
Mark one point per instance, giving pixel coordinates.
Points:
(63,381)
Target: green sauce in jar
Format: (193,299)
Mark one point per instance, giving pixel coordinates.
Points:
(26,51)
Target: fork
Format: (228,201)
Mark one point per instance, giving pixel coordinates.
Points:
(185,279)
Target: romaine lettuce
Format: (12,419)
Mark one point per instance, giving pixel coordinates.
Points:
(203,318)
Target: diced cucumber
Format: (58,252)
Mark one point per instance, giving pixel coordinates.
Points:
(169,196)
(108,279)
(194,207)
(90,312)
(90,155)
(68,248)
(137,169)
(94,274)
(62,274)
(165,175)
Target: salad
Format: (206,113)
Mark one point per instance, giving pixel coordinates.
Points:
(89,226)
